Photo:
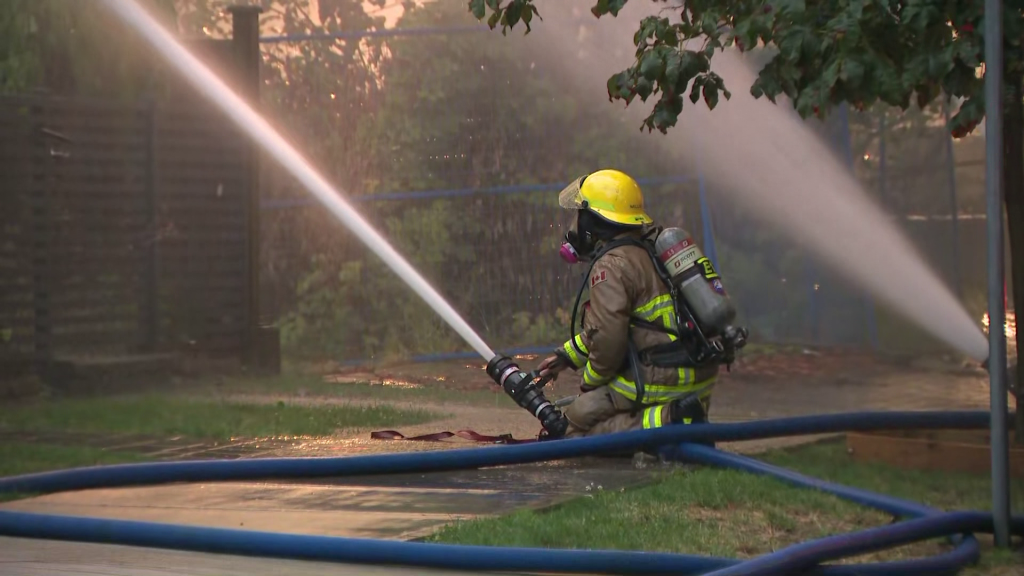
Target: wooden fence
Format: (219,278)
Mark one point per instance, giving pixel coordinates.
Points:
(124,229)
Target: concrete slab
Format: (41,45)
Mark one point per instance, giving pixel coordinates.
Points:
(402,507)
(28,557)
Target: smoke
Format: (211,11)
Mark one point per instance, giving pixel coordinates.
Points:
(764,157)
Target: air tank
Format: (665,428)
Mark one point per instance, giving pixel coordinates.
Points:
(698,281)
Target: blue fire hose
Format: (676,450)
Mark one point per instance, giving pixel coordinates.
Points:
(806,557)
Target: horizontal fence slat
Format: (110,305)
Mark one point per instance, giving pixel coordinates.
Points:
(84,234)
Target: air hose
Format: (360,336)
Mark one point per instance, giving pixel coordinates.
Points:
(470,458)
(382,552)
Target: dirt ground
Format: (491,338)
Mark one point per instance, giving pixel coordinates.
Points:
(799,382)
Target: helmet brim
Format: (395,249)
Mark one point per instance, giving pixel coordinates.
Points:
(638,219)
(571,198)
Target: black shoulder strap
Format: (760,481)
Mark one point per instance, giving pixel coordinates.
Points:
(606,248)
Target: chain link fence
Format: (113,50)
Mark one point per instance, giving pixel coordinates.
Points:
(454,144)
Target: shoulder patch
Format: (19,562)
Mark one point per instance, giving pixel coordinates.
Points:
(598,277)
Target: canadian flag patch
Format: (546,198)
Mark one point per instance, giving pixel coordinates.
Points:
(598,278)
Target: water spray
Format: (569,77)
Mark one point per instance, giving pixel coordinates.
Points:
(274,144)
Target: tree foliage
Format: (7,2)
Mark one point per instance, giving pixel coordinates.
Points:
(460,113)
(861,52)
(50,46)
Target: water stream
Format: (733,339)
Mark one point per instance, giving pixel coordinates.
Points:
(764,157)
(271,141)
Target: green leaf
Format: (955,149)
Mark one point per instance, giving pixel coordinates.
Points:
(830,75)
(710,95)
(675,69)
(852,72)
(709,25)
(695,89)
(666,113)
(926,93)
(666,33)
(967,118)
(644,88)
(478,8)
(791,44)
(648,28)
(615,5)
(618,85)
(528,16)
(652,66)
(512,14)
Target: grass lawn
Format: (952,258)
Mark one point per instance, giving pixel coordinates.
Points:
(734,514)
(25,458)
(308,385)
(167,415)
(201,418)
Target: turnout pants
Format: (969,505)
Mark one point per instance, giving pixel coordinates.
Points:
(603,411)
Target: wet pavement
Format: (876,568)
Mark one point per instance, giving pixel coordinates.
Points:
(22,557)
(410,506)
(400,506)
(395,507)
(173,448)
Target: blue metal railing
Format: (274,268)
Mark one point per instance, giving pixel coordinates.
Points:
(278,204)
(383,33)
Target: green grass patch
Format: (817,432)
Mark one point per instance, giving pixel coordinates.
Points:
(315,386)
(946,490)
(733,514)
(26,458)
(170,415)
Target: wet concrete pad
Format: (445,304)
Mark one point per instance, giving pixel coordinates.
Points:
(26,557)
(401,506)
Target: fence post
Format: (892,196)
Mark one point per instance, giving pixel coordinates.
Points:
(883,182)
(953,210)
(40,200)
(705,217)
(149,319)
(847,144)
(245,38)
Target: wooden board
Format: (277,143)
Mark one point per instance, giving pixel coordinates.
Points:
(944,451)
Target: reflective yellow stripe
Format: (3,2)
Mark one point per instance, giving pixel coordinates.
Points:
(592,378)
(687,376)
(654,307)
(661,394)
(652,417)
(575,356)
(659,309)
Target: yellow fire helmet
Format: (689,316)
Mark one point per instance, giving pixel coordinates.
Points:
(611,194)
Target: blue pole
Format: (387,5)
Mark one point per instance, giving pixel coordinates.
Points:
(705,217)
(882,175)
(845,142)
(384,33)
(811,274)
(999,438)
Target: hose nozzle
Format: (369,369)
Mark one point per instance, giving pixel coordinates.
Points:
(525,389)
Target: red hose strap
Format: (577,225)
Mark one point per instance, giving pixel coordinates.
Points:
(439,436)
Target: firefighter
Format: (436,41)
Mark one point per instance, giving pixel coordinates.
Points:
(628,304)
